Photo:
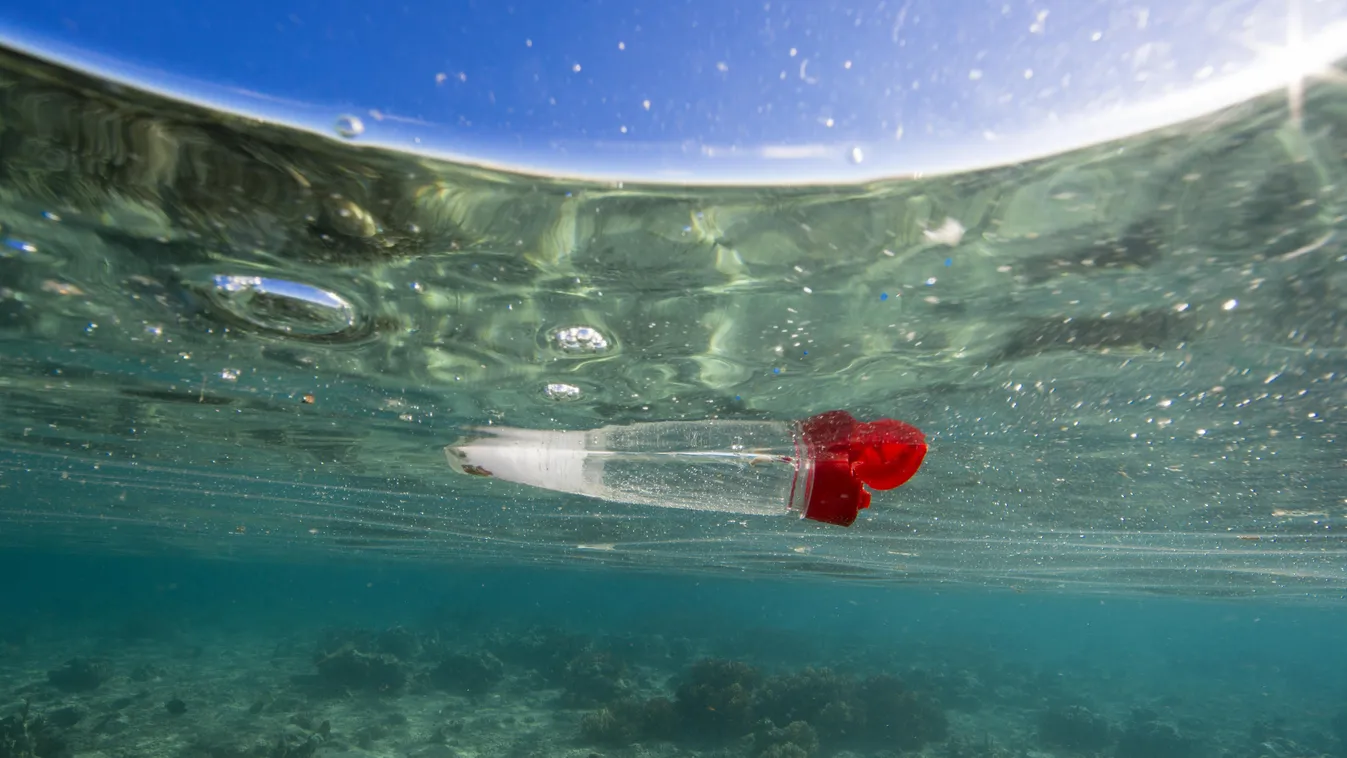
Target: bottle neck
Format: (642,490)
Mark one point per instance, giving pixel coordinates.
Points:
(802,484)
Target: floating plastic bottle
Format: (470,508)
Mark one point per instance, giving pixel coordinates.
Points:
(818,468)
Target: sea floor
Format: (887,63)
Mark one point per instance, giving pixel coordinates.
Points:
(149,688)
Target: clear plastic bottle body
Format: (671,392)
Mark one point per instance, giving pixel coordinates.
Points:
(746,467)
(818,467)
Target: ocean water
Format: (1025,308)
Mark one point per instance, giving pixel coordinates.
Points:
(231,354)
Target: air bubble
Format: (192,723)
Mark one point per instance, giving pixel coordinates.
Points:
(856,156)
(283,307)
(350,127)
(561,392)
(579,340)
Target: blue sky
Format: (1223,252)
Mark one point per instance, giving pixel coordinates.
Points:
(836,86)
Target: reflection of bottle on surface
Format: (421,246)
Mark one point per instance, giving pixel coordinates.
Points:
(814,467)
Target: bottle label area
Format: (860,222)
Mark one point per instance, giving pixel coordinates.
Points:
(730,467)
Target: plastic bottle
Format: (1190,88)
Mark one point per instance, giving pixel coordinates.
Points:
(816,467)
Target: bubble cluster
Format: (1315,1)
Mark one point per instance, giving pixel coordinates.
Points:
(579,340)
(562,392)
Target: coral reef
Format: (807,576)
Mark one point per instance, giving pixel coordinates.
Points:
(956,688)
(1146,736)
(364,660)
(616,725)
(80,674)
(804,695)
(292,740)
(26,736)
(797,713)
(350,669)
(1339,726)
(511,693)
(1074,727)
(398,642)
(717,697)
(796,740)
(295,743)
(146,672)
(1272,738)
(468,673)
(593,677)
(896,717)
(627,720)
(540,649)
(963,747)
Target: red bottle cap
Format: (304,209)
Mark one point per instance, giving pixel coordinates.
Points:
(844,454)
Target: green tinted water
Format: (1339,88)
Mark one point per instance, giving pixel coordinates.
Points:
(230,338)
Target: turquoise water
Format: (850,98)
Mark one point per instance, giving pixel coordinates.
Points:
(231,356)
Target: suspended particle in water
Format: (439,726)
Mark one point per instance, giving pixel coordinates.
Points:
(61,288)
(19,245)
(561,392)
(349,126)
(856,156)
(949,233)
